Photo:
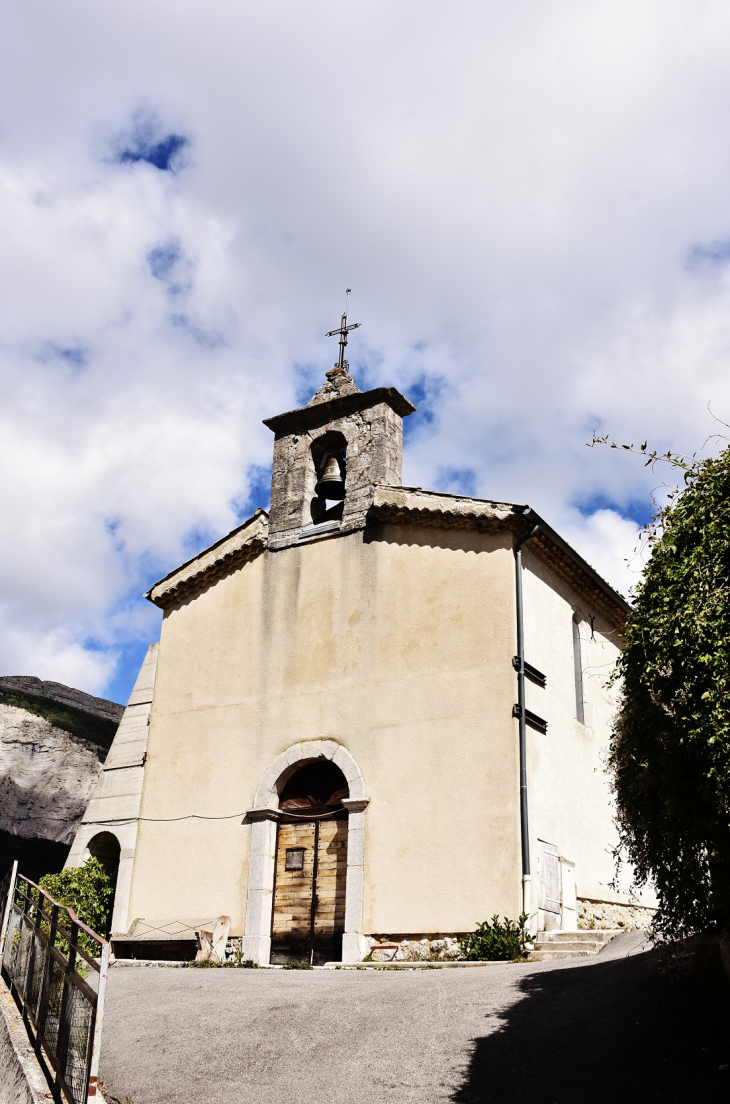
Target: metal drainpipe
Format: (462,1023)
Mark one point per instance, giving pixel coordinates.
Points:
(524,829)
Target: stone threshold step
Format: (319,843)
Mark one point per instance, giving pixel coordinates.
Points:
(411,965)
(592,947)
(173,964)
(602,935)
(544,956)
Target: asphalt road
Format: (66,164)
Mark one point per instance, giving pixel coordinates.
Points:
(596,1030)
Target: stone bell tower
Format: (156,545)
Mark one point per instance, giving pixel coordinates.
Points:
(329,454)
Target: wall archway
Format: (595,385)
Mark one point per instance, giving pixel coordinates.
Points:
(263,820)
(91,840)
(105,847)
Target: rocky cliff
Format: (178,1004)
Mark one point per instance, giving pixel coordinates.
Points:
(53,740)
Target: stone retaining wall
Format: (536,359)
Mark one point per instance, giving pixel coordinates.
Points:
(442,949)
(382,949)
(604,914)
(21,1078)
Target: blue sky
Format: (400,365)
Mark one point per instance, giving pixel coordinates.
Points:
(530,202)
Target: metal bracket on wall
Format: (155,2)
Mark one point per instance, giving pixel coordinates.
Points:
(531,719)
(531,672)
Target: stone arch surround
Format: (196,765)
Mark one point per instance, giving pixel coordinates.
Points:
(263,819)
(126,836)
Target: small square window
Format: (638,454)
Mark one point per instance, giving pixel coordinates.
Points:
(294,858)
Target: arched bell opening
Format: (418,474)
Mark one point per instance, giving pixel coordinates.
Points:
(310,877)
(329,456)
(104,846)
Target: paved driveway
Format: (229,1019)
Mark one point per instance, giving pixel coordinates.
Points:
(592,1030)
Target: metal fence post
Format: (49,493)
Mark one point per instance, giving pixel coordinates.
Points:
(98,1023)
(42,1004)
(64,1025)
(25,925)
(8,906)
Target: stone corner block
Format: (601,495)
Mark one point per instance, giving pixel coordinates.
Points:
(355,947)
(256,947)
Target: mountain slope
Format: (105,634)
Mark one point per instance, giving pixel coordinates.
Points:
(52,744)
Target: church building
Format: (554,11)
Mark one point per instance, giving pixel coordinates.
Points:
(375,712)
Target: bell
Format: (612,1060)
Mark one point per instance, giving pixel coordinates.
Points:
(329,484)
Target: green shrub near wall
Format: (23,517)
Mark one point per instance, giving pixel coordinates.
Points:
(87,890)
(495,941)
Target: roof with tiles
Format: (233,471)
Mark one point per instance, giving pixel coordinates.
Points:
(407,506)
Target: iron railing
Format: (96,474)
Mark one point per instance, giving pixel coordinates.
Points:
(56,969)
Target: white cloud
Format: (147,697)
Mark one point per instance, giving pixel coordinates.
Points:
(513,191)
(612,544)
(54,656)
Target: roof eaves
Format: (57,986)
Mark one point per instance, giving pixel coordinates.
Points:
(434,507)
(410,504)
(188,581)
(533,518)
(306,417)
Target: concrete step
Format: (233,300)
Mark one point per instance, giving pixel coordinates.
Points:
(589,935)
(584,946)
(567,944)
(544,956)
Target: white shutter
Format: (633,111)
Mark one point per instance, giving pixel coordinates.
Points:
(549,877)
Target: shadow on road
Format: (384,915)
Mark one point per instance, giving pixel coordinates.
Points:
(603,1031)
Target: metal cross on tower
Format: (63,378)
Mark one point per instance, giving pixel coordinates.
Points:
(343,331)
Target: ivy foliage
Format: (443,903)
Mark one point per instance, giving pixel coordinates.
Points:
(495,941)
(86,889)
(670,750)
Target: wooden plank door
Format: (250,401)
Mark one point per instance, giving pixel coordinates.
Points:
(329,913)
(294,882)
(309,891)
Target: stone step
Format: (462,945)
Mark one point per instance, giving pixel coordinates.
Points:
(583,945)
(544,956)
(590,935)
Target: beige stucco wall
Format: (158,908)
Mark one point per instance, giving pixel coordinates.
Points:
(569,796)
(397,644)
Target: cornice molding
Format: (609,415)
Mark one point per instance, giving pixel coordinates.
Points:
(407,506)
(419,507)
(309,417)
(237,548)
(414,506)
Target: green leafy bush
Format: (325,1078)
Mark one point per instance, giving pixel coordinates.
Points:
(670,751)
(495,941)
(297,966)
(88,891)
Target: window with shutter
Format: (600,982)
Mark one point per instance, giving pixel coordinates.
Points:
(549,877)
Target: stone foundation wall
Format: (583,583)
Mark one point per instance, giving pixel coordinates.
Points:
(446,948)
(21,1078)
(413,949)
(602,914)
(440,949)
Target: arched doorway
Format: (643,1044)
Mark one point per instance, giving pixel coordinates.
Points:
(310,874)
(104,846)
(264,819)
